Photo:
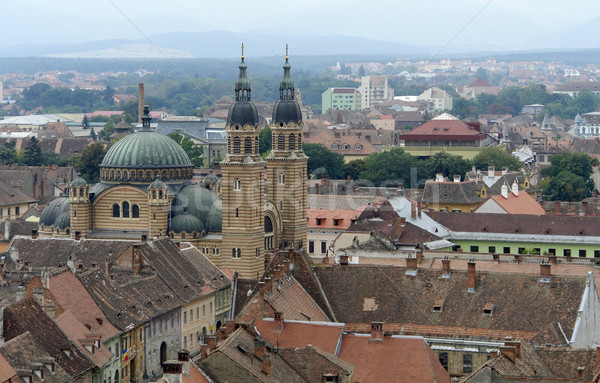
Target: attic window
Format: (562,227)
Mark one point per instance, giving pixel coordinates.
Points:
(345,147)
(485,229)
(334,146)
(242,349)
(517,230)
(580,232)
(547,231)
(67,353)
(488,309)
(438,306)
(336,222)
(320,221)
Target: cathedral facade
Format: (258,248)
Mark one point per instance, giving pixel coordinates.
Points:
(146,189)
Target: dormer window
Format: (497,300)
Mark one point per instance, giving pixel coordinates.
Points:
(358,147)
(488,310)
(335,146)
(438,306)
(319,221)
(345,147)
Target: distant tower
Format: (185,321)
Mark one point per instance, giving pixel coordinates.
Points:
(79,199)
(286,164)
(242,186)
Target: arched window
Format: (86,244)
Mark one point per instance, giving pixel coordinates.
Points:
(281,141)
(160,194)
(125,209)
(135,211)
(118,174)
(236,145)
(237,184)
(116,210)
(125,176)
(248,145)
(255,145)
(299,140)
(292,138)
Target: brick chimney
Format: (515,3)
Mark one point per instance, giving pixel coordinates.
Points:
(137,261)
(411,266)
(516,344)
(277,321)
(34,234)
(509,351)
(140,102)
(325,260)
(545,272)
(446,267)
(471,276)
(211,342)
(343,260)
(580,372)
(376,332)
(183,357)
(229,327)
(77,235)
(266,364)
(260,348)
(144,238)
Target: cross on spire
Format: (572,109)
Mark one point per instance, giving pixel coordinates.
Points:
(242,51)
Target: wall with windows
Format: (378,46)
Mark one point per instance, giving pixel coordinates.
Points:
(575,250)
(163,340)
(198,320)
(118,207)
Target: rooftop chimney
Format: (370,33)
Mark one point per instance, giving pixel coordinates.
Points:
(34,234)
(545,272)
(277,321)
(504,170)
(471,276)
(515,189)
(491,171)
(509,352)
(504,191)
(516,344)
(343,260)
(144,238)
(411,266)
(457,178)
(140,102)
(211,342)
(580,372)
(439,177)
(446,267)
(266,364)
(376,332)
(77,235)
(260,348)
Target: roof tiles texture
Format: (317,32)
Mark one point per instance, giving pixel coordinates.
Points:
(523,204)
(326,336)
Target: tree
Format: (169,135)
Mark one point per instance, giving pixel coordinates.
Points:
(497,157)
(580,164)
(194,152)
(85,123)
(463,108)
(49,157)
(108,94)
(322,161)
(33,153)
(88,162)
(447,164)
(393,167)
(264,140)
(93,135)
(8,153)
(566,186)
(355,168)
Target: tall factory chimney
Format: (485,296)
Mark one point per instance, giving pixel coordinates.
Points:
(141,102)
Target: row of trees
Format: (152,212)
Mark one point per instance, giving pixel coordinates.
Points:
(511,101)
(31,155)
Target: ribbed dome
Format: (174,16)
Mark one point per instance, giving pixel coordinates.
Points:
(187,223)
(215,217)
(195,200)
(54,210)
(63,221)
(242,113)
(287,111)
(79,181)
(157,184)
(146,149)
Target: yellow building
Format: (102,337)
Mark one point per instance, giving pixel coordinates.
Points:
(13,203)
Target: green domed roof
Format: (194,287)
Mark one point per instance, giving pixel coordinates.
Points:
(146,149)
(157,184)
(194,199)
(54,210)
(286,111)
(215,217)
(63,221)
(187,223)
(242,113)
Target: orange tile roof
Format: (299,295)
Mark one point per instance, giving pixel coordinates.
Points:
(328,140)
(379,361)
(6,371)
(344,218)
(523,204)
(297,334)
(289,297)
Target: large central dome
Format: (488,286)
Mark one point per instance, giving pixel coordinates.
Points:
(145,156)
(146,150)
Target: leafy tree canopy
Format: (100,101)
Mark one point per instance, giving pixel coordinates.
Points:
(33,152)
(497,157)
(193,151)
(264,140)
(88,162)
(567,186)
(447,164)
(322,161)
(392,168)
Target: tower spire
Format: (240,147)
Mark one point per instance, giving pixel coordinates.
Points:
(242,85)
(286,85)
(146,119)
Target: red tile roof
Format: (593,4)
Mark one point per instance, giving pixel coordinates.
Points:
(344,218)
(380,361)
(329,140)
(344,90)
(442,129)
(6,371)
(297,334)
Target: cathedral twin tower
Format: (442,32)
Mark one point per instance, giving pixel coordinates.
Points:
(253,224)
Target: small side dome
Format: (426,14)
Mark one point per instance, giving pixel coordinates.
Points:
(195,200)
(158,184)
(211,178)
(54,210)
(63,221)
(187,223)
(79,181)
(215,217)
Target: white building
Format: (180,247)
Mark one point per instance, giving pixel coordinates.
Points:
(375,90)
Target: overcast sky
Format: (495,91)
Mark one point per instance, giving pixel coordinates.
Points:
(421,22)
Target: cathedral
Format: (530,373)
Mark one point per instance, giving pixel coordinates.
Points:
(146,189)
